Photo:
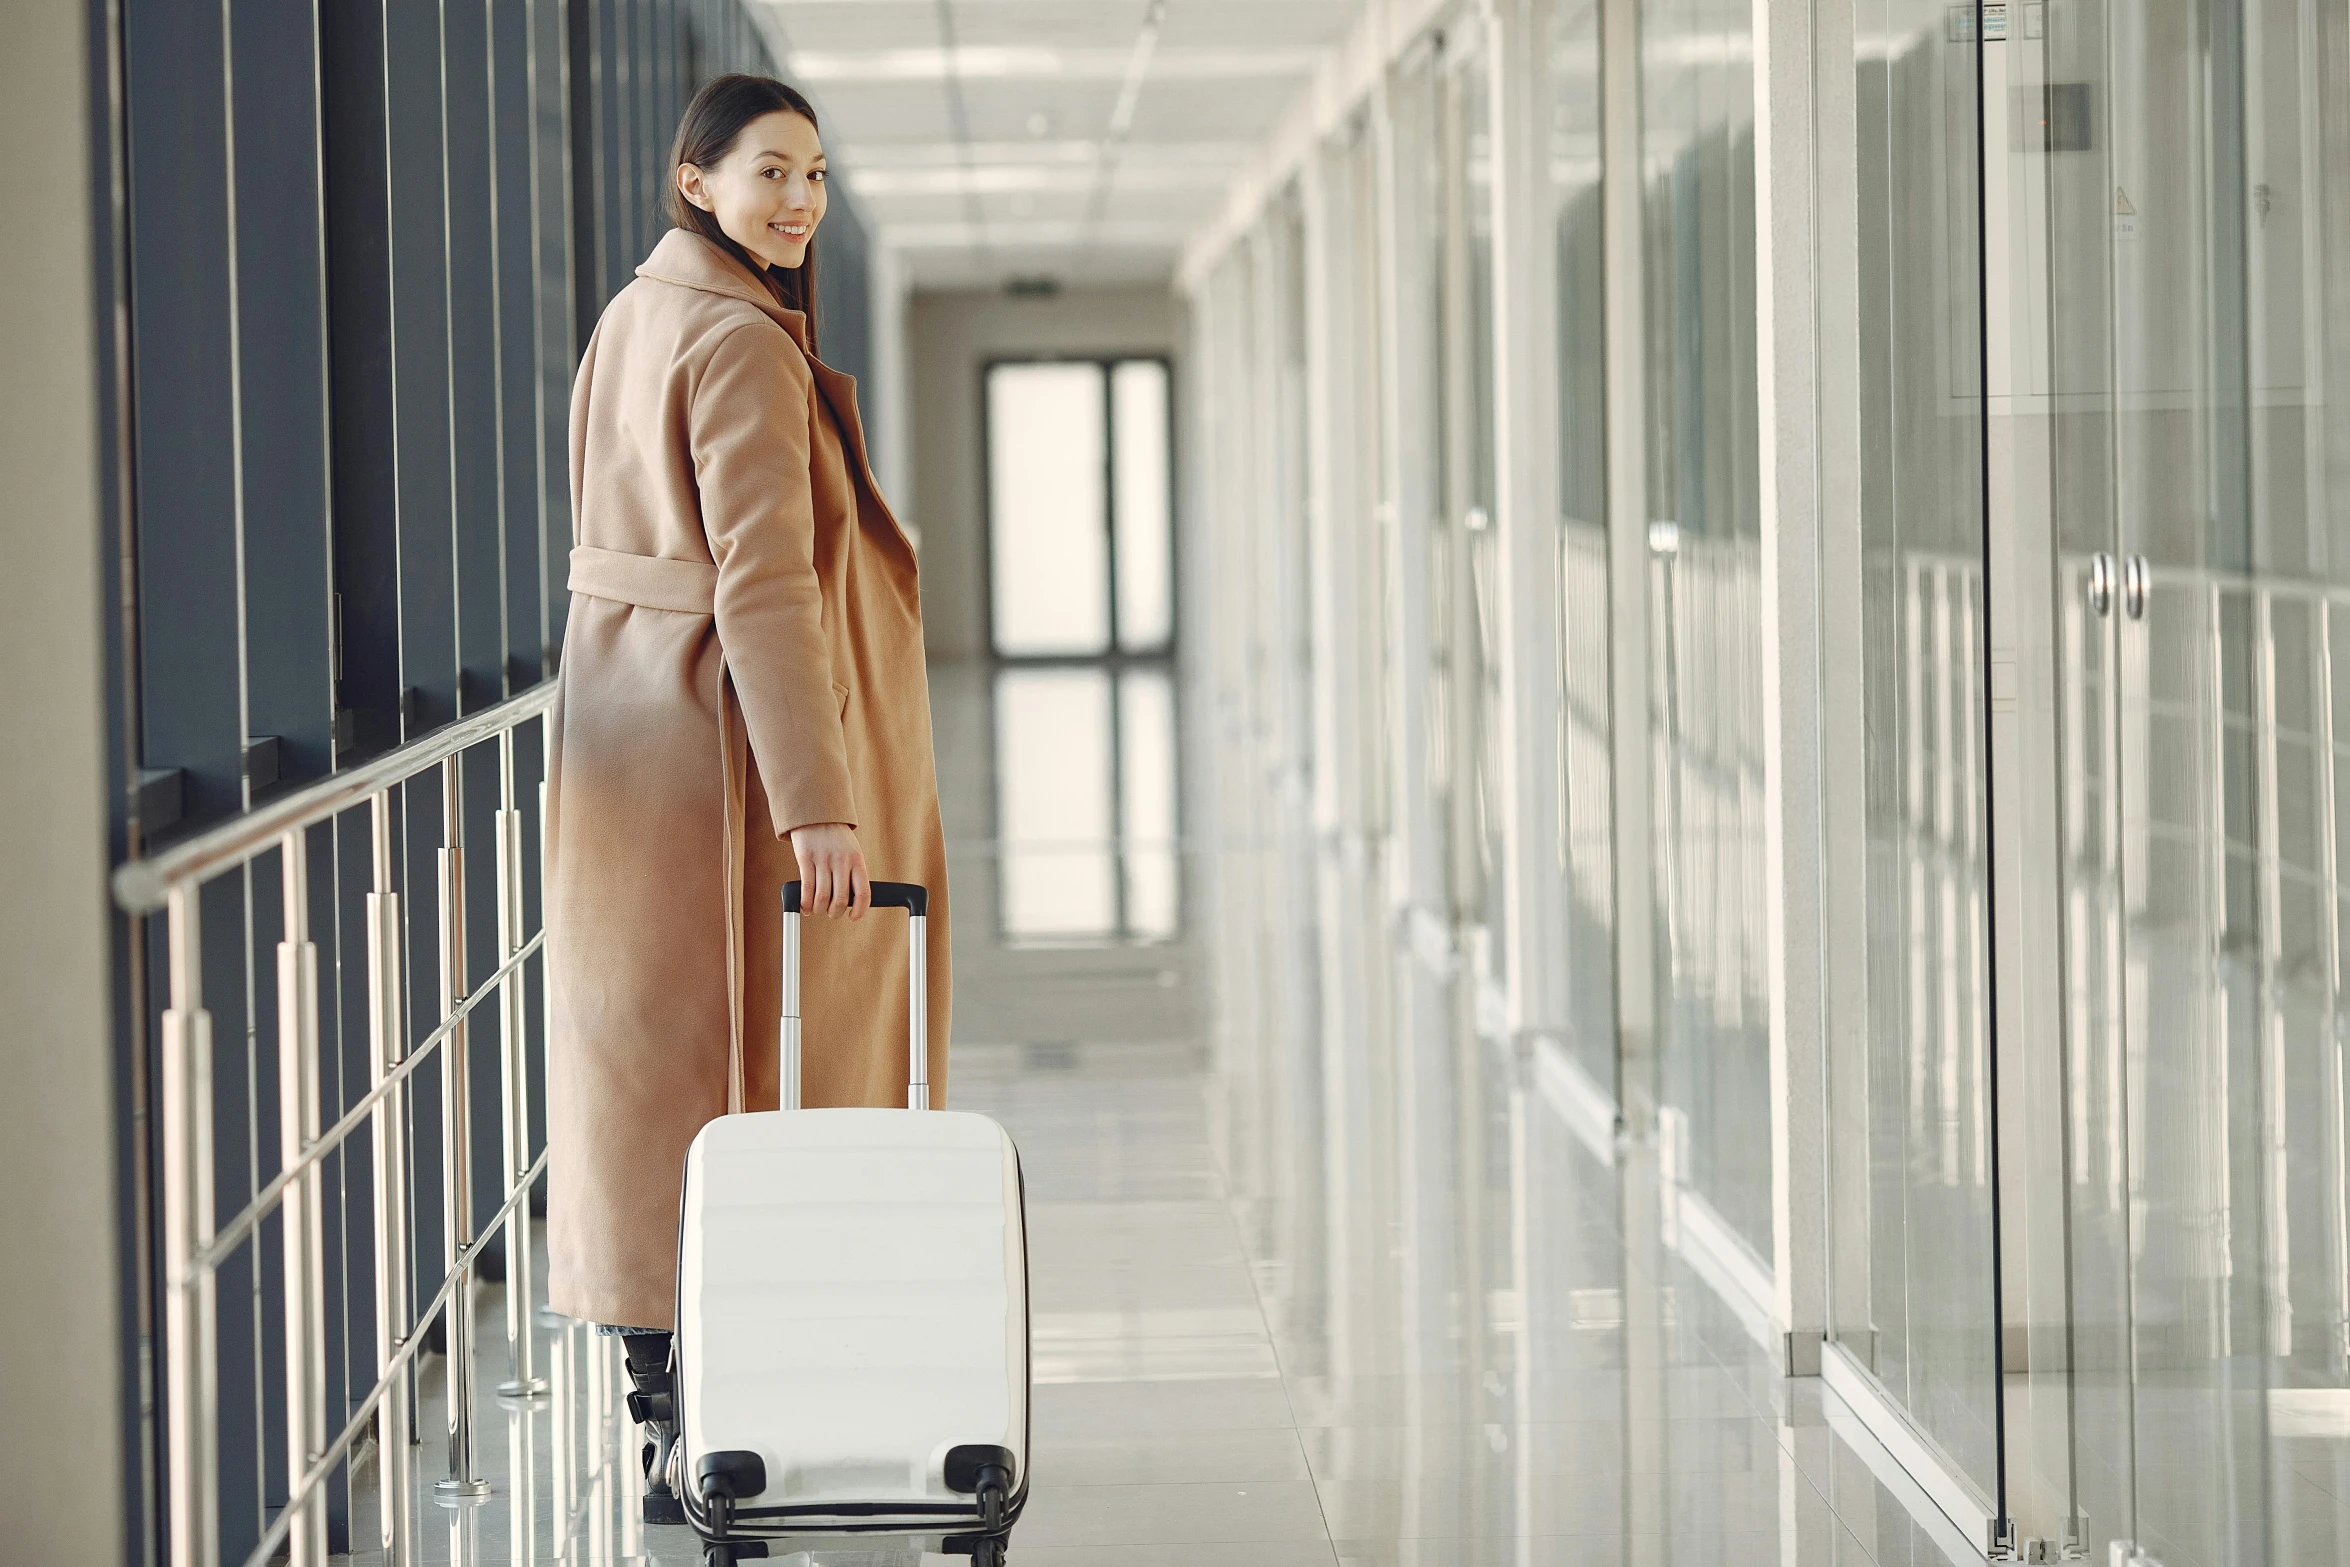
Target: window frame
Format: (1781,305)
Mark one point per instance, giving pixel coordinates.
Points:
(1114,662)
(1106,364)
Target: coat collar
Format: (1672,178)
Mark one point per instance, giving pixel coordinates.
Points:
(690,261)
(687,260)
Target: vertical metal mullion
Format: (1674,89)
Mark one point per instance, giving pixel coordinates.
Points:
(236,466)
(1108,369)
(497,344)
(143,1086)
(449,374)
(1120,850)
(538,306)
(236,390)
(339,1190)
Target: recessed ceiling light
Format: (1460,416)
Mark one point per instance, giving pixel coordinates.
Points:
(1040,124)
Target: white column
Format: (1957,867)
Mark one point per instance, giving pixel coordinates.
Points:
(1402,120)
(61,1445)
(1525,367)
(1786,366)
(1632,803)
(1843,743)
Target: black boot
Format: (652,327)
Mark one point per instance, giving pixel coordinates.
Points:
(653,1405)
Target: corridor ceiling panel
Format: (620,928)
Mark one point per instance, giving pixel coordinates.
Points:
(1079,140)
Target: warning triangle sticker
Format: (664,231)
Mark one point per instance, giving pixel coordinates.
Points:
(2122,206)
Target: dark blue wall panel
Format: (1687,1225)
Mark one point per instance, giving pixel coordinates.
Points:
(421,459)
(184,402)
(514,213)
(363,247)
(359,315)
(473,355)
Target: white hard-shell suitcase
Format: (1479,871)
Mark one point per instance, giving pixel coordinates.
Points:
(852,1312)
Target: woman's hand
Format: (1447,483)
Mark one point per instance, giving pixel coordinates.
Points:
(832,870)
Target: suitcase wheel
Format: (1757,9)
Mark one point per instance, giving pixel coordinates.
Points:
(984,1472)
(727,1478)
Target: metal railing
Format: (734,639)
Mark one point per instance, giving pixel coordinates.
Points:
(196,1243)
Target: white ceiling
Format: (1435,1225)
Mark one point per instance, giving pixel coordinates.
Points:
(1081,140)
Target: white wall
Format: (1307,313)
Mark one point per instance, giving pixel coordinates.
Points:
(949,339)
(60,1375)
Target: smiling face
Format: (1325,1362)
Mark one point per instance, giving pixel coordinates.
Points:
(767,192)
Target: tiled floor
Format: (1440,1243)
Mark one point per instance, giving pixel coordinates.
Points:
(1438,1372)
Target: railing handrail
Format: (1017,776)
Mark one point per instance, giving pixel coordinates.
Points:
(195,1247)
(144,886)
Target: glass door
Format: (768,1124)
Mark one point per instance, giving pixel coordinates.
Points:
(1928,1328)
(2169,1128)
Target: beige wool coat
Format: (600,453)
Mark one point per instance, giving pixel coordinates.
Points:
(743,657)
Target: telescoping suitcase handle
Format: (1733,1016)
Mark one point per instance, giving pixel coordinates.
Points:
(915,900)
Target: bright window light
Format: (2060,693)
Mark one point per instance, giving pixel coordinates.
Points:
(1146,775)
(1138,412)
(1049,553)
(1055,813)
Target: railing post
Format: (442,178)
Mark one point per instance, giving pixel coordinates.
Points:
(305,1287)
(192,1392)
(513,1041)
(387,1042)
(456,1139)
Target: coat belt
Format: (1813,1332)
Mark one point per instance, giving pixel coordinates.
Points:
(690,587)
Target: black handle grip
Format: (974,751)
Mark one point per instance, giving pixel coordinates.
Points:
(910,896)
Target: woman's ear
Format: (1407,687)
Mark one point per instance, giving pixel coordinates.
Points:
(689,185)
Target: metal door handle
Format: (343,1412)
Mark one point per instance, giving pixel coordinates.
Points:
(2137,577)
(2101,583)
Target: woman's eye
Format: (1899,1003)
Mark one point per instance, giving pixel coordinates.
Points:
(816,176)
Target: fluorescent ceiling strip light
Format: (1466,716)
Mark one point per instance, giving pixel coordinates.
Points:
(989,62)
(974,209)
(1046,235)
(1138,66)
(997,179)
(1211,155)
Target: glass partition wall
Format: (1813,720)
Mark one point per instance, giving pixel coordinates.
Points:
(1585,853)
(1467,600)
(2092,1181)
(1705,577)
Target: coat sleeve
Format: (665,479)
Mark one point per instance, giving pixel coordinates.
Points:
(752,434)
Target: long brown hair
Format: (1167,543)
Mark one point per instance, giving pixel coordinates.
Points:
(713,123)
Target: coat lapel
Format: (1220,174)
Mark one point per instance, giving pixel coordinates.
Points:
(688,260)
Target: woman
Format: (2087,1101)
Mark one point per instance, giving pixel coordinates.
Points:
(743,702)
